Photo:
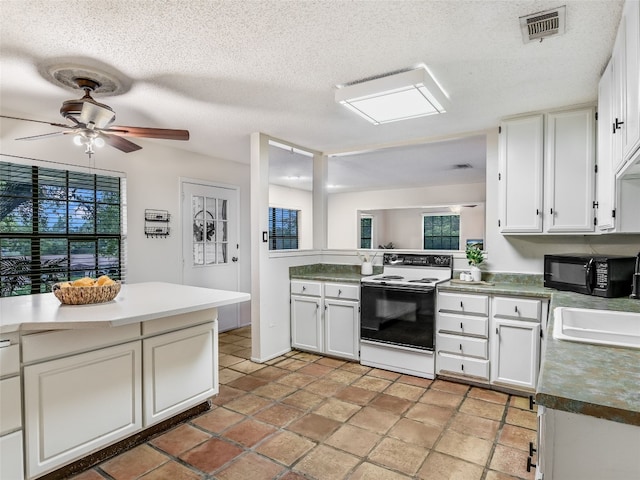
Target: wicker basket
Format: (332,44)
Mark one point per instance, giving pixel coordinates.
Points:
(86,295)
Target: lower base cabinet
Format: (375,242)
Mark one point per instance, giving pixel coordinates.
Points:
(11,455)
(179,371)
(581,447)
(77,404)
(515,350)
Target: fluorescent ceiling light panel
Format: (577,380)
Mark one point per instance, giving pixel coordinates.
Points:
(400,96)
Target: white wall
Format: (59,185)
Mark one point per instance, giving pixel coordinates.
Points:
(296,199)
(343,207)
(152,182)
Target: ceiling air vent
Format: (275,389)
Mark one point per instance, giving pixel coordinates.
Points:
(461,166)
(541,25)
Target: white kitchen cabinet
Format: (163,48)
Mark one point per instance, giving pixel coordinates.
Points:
(582,447)
(570,171)
(521,154)
(605,177)
(462,335)
(515,341)
(179,371)
(325,318)
(11,455)
(80,403)
(547,175)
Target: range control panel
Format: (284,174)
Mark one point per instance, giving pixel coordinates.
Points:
(417,260)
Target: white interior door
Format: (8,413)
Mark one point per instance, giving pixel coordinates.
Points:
(210,241)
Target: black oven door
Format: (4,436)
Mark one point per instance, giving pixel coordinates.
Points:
(397,315)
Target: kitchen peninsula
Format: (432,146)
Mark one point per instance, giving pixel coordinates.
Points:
(94,375)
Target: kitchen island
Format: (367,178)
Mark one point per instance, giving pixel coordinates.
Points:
(93,376)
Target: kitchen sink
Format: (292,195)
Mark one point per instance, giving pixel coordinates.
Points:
(600,327)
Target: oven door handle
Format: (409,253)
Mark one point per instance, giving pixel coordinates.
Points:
(404,288)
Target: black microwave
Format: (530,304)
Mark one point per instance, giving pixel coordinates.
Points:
(602,276)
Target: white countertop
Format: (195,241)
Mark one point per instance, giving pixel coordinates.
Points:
(136,302)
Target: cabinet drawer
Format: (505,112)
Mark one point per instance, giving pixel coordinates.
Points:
(467,346)
(467,324)
(303,287)
(521,308)
(340,290)
(9,360)
(462,303)
(463,365)
(11,412)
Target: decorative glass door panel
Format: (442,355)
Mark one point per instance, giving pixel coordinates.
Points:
(210,230)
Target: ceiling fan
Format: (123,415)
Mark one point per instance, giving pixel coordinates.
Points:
(92,124)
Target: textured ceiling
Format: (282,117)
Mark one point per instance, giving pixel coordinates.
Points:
(225,69)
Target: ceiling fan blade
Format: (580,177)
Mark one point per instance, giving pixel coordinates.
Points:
(99,115)
(120,143)
(60,125)
(44,135)
(164,133)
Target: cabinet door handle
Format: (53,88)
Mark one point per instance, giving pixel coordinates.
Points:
(461,306)
(497,333)
(325,307)
(304,288)
(616,126)
(531,402)
(516,309)
(461,326)
(537,211)
(317,306)
(339,292)
(551,211)
(531,449)
(529,464)
(460,347)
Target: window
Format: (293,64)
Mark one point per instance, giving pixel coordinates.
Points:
(57,225)
(283,229)
(441,232)
(366,231)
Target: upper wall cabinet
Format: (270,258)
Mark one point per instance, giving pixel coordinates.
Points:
(547,175)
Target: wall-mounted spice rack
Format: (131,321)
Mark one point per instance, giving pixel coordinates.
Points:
(156,223)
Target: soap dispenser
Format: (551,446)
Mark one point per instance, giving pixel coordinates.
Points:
(635,290)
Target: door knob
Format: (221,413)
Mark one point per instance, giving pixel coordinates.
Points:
(234,259)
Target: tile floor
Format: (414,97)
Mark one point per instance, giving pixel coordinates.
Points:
(303,416)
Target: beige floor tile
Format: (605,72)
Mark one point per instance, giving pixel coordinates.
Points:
(353,440)
(285,447)
(211,455)
(372,383)
(270,373)
(180,439)
(226,360)
(172,470)
(511,461)
(249,432)
(386,374)
(226,337)
(247,366)
(476,426)
(327,463)
(88,475)
(244,342)
(226,394)
(357,395)
(488,395)
(480,408)
(279,414)
(250,466)
(390,403)
(369,471)
(342,376)
(324,387)
(374,420)
(417,381)
(450,387)
(493,475)
(316,369)
(229,348)
(218,420)
(331,362)
(356,368)
(226,375)
(248,404)
(274,390)
(303,400)
(315,427)
(337,409)
(291,364)
(522,418)
(306,356)
(522,403)
(466,447)
(403,390)
(134,463)
(443,467)
(247,382)
(398,455)
(441,398)
(245,353)
(433,414)
(416,433)
(296,379)
(517,437)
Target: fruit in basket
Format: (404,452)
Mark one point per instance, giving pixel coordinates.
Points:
(86,290)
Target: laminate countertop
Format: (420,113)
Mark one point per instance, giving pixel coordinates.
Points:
(593,380)
(136,302)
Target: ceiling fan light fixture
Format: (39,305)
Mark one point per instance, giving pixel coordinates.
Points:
(99,142)
(78,140)
(390,98)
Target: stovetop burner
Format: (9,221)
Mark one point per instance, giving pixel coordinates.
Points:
(391,277)
(424,280)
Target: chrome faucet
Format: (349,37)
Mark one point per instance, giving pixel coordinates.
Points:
(635,291)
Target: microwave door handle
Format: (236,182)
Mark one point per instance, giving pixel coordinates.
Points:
(589,277)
